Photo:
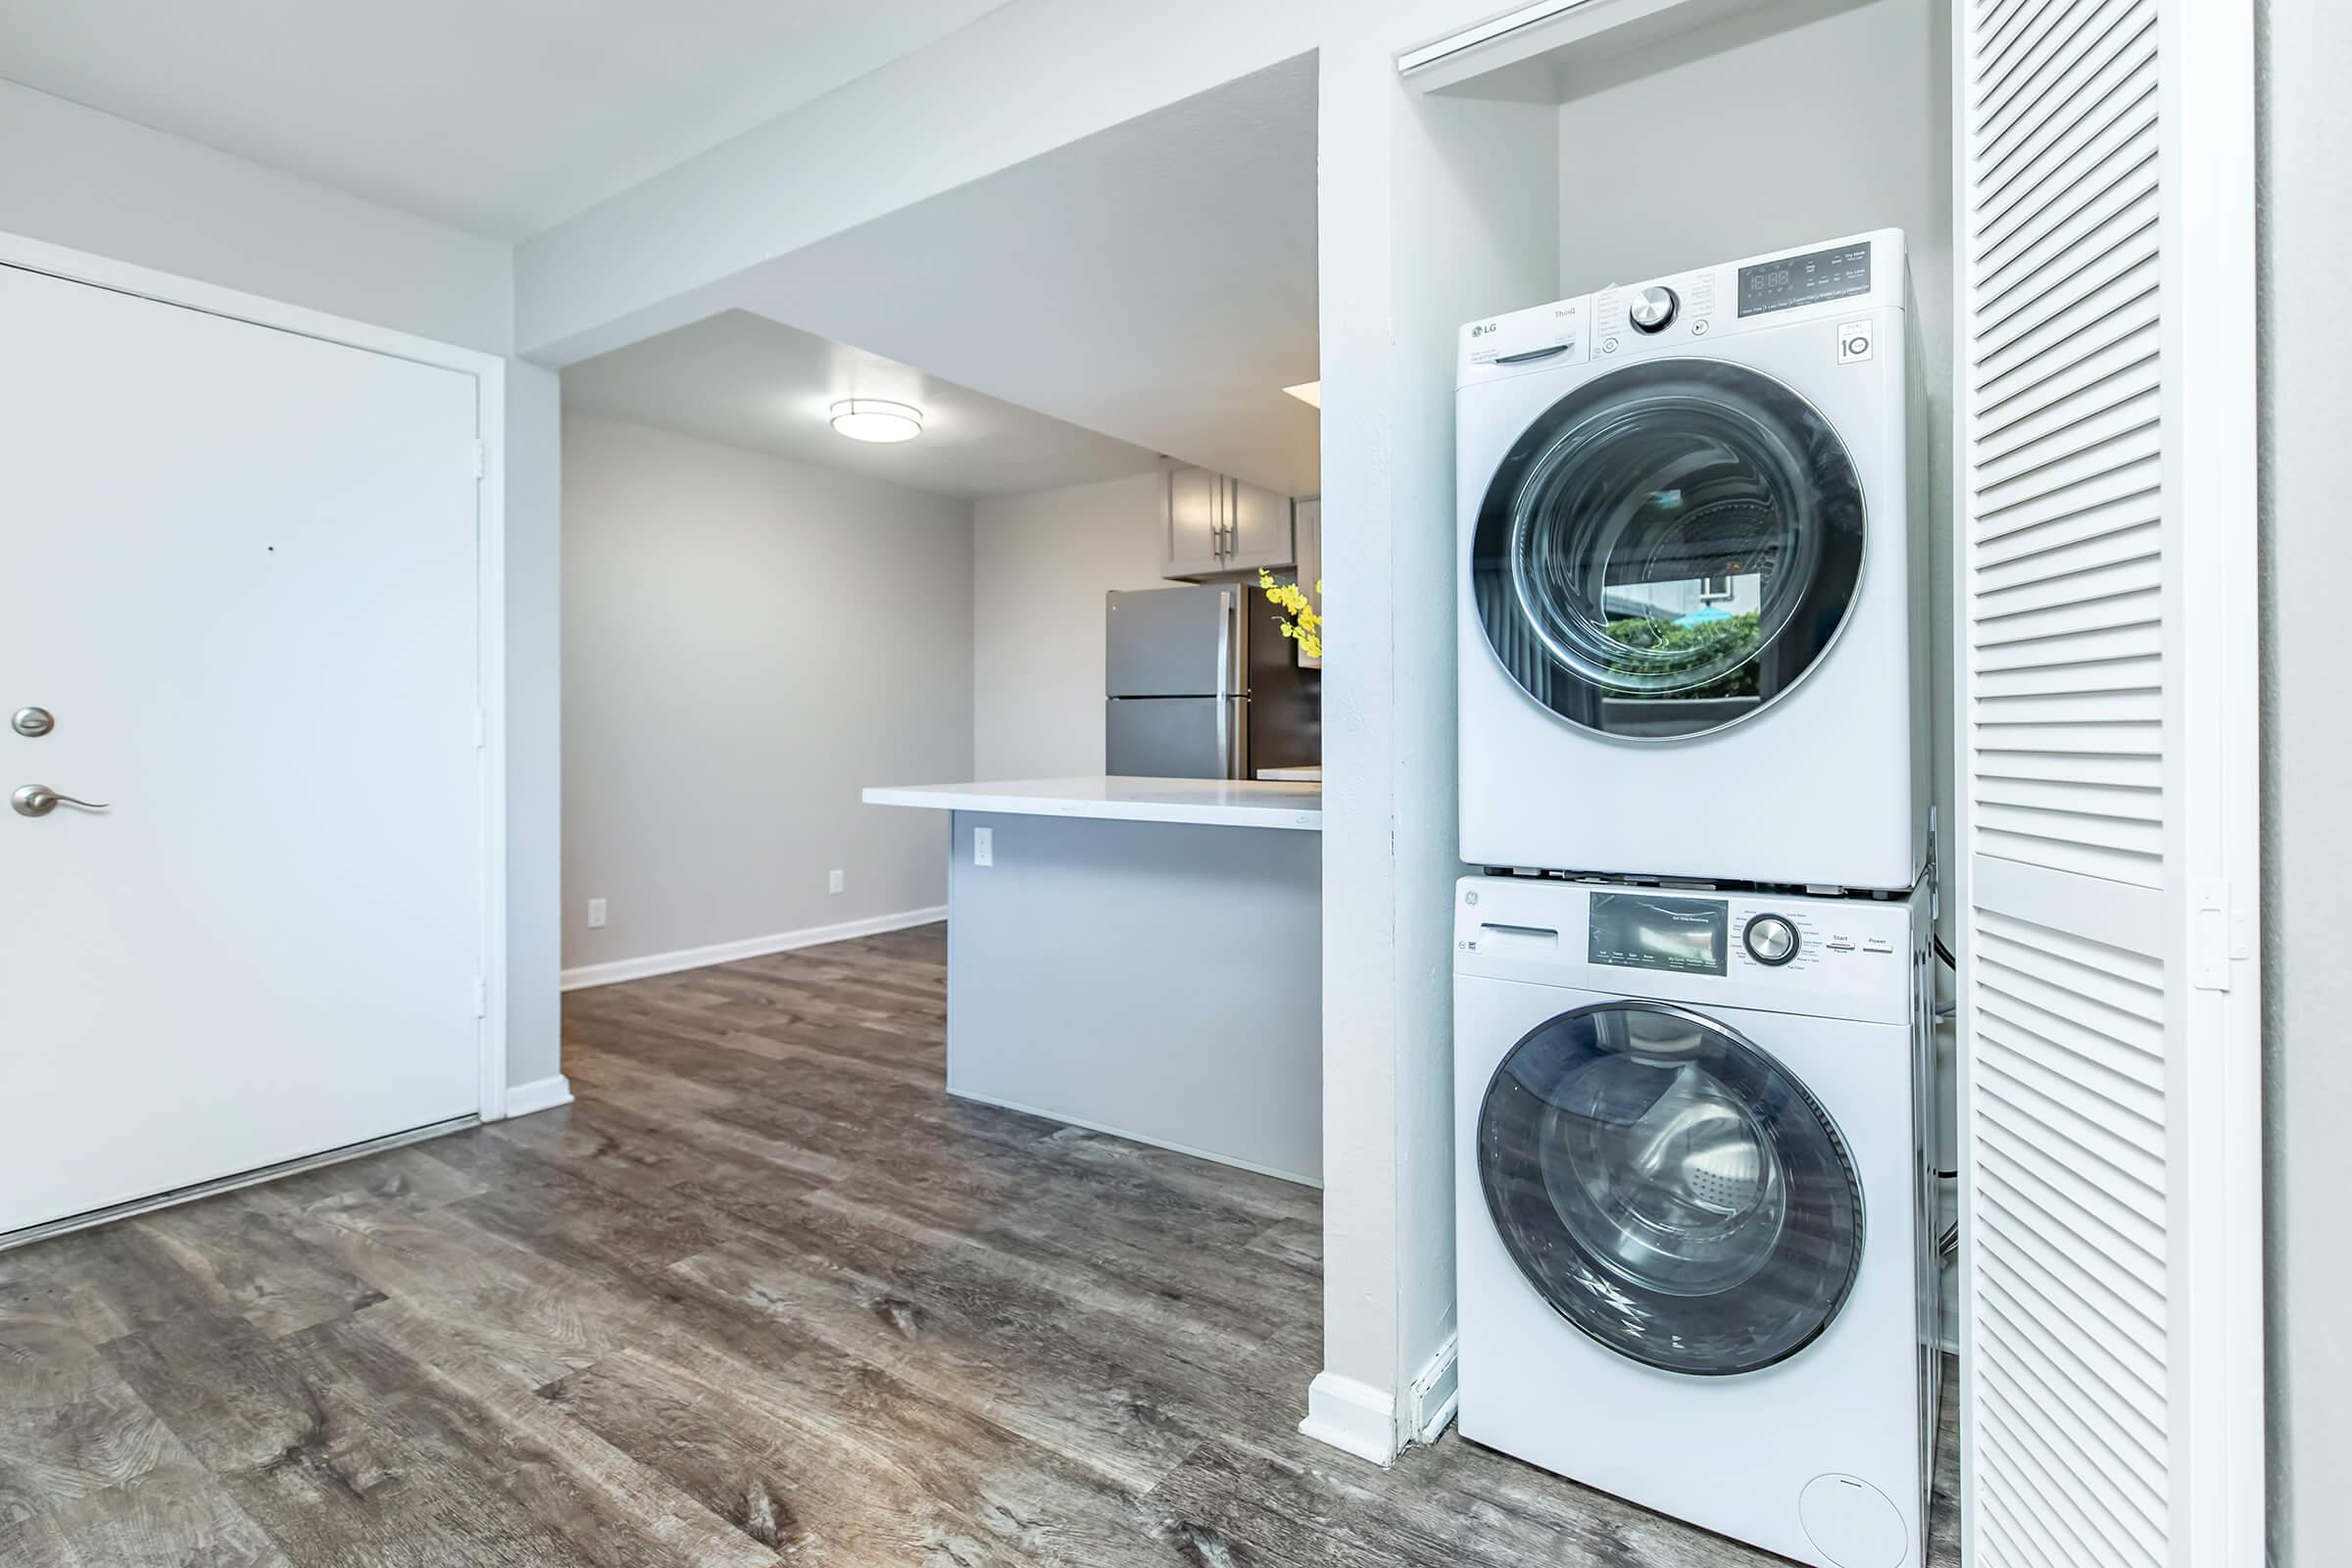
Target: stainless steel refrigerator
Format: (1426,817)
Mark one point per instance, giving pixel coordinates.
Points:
(1201,683)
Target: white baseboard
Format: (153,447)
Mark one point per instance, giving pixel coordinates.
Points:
(540,1094)
(1352,1416)
(1436,1392)
(815,936)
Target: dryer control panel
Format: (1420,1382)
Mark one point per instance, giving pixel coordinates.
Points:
(1844,279)
(1828,957)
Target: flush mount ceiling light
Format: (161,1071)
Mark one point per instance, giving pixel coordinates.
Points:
(872,419)
(1309,393)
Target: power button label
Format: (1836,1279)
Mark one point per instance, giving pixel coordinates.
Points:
(1855,343)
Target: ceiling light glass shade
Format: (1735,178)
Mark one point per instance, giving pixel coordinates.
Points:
(1309,393)
(872,419)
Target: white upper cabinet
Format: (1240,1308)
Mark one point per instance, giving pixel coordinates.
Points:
(1258,533)
(1215,524)
(1193,541)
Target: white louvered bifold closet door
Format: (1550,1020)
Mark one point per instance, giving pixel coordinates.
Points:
(2111,1332)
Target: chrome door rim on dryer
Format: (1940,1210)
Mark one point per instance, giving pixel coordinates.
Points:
(1692,614)
(1778,483)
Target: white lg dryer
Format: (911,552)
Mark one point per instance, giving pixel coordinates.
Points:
(1692,614)
(1692,1227)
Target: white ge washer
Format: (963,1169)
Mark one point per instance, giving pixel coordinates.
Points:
(1696,1261)
(1693,621)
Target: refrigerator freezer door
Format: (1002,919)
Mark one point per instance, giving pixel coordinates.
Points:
(1171,642)
(1177,737)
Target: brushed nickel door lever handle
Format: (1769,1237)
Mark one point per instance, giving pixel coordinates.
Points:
(39,799)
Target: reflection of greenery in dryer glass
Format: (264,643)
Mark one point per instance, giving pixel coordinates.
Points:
(1658,650)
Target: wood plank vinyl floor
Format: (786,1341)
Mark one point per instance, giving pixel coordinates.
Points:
(763,1294)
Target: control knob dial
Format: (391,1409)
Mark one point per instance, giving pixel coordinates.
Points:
(1652,308)
(1770,939)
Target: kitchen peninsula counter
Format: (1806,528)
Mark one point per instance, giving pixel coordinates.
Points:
(1204,802)
(1141,956)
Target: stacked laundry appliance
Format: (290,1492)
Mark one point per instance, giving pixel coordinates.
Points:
(1694,1082)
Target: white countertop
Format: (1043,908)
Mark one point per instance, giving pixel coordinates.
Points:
(1213,801)
(1309,775)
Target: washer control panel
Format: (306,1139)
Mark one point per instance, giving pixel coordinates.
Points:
(1832,957)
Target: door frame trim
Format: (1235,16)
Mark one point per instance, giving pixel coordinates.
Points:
(489,371)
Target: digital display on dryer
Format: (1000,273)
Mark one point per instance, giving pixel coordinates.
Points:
(1642,931)
(1784,284)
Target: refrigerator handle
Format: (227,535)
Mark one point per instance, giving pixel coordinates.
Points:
(1227,685)
(1225,682)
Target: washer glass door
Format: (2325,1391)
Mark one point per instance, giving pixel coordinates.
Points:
(1669,1187)
(1668,549)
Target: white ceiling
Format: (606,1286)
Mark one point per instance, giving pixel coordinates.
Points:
(501,116)
(1154,281)
(752,382)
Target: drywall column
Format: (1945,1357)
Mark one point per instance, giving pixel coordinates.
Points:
(2306,321)
(534,480)
(1433,210)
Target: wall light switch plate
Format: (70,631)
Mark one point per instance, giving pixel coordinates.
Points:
(596,915)
(984,846)
(832,881)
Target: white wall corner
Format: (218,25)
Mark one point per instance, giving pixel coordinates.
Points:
(540,1094)
(1435,1392)
(1352,1416)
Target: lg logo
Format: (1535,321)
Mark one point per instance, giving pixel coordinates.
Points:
(1482,329)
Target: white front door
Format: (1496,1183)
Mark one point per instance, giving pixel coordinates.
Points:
(240,570)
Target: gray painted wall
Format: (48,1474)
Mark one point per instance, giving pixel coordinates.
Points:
(2306,323)
(748,643)
(1041,565)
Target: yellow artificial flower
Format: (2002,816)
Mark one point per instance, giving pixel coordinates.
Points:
(1303,625)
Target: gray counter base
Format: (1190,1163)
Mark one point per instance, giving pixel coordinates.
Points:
(1133,1137)
(1158,981)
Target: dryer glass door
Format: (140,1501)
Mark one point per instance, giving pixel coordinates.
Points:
(1670,1189)
(1669,549)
